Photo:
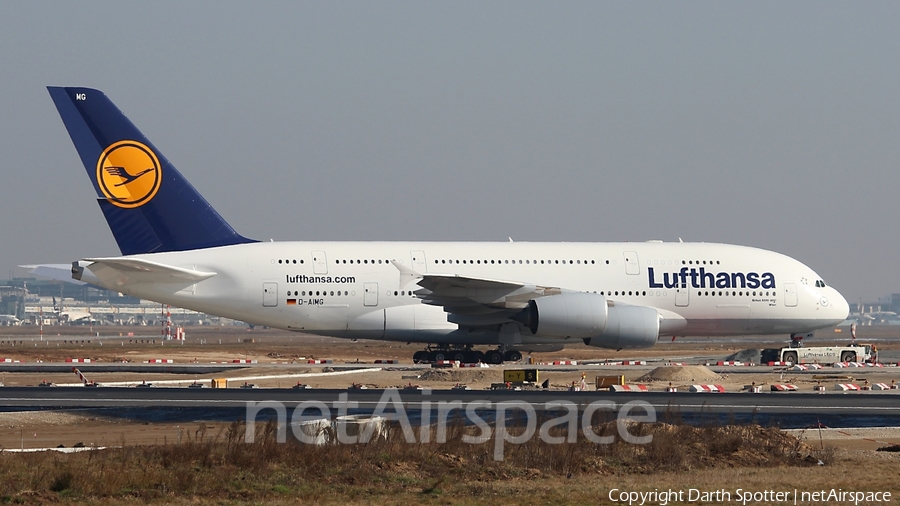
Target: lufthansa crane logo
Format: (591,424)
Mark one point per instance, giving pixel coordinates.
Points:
(129,174)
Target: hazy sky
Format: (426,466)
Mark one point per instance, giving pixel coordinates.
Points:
(771,124)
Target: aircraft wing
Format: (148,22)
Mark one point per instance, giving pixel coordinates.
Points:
(474,302)
(123,271)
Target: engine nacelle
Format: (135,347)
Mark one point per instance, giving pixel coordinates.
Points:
(628,327)
(578,315)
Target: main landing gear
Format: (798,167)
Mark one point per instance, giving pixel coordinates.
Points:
(465,355)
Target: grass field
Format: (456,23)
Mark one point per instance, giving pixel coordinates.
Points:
(221,468)
(206,465)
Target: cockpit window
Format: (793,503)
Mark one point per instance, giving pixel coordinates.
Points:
(820,284)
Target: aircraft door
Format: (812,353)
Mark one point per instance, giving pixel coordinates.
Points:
(370,297)
(320,263)
(790,294)
(682,296)
(418,261)
(270,294)
(632,264)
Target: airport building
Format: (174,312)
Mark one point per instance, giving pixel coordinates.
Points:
(32,301)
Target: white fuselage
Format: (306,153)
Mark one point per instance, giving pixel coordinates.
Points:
(352,290)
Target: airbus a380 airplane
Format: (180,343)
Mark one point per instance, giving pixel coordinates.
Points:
(507,295)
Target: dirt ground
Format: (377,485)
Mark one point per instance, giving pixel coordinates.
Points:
(280,353)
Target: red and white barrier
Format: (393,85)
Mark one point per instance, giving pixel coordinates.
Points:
(881,386)
(8,360)
(387,361)
(772,364)
(446,363)
(847,364)
(628,388)
(160,361)
(317,361)
(478,365)
(784,387)
(634,362)
(243,361)
(707,389)
(78,360)
(807,367)
(844,387)
(682,364)
(730,362)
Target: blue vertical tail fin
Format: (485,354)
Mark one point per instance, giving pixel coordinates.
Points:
(148,204)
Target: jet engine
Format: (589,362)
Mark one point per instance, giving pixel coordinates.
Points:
(565,315)
(628,327)
(589,317)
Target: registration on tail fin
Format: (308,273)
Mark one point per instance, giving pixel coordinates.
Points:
(148,204)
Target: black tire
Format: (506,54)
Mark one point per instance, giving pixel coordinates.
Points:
(437,356)
(512,356)
(791,357)
(848,356)
(493,357)
(420,357)
(459,355)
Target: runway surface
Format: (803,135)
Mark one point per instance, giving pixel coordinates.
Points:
(868,403)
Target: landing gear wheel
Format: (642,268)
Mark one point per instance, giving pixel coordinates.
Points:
(420,357)
(512,356)
(459,356)
(437,356)
(493,357)
(474,357)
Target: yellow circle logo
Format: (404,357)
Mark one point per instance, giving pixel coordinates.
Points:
(129,174)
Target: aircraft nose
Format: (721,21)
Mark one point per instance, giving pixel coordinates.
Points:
(839,306)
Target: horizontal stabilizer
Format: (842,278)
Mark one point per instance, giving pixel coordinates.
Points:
(58,272)
(122,271)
